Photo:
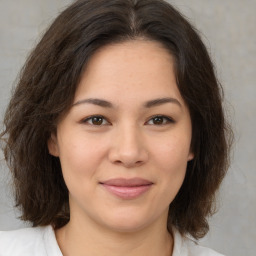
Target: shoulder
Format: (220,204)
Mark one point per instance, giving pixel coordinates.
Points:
(27,241)
(186,247)
(197,250)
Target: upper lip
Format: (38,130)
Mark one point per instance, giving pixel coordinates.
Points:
(123,182)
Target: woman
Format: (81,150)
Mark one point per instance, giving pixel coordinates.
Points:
(115,135)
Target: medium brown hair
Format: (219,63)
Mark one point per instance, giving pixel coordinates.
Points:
(46,90)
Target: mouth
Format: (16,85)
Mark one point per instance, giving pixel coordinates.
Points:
(127,188)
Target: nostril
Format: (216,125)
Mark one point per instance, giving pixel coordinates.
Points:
(128,155)
(128,164)
(118,162)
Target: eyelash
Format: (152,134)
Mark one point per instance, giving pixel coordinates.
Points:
(167,119)
(89,120)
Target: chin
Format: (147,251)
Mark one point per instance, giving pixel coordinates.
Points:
(127,222)
(127,227)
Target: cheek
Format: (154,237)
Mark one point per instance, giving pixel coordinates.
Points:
(172,153)
(80,158)
(170,159)
(80,161)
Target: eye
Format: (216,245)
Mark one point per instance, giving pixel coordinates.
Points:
(160,120)
(95,120)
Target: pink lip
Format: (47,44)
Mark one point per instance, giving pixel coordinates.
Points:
(127,188)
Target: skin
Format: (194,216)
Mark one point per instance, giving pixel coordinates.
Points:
(126,142)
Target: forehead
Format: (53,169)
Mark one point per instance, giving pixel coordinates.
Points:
(135,51)
(133,67)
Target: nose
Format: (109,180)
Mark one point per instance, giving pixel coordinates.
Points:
(128,147)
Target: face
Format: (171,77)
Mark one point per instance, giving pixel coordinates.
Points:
(125,143)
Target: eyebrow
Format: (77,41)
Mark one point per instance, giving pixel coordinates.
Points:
(98,102)
(148,104)
(160,101)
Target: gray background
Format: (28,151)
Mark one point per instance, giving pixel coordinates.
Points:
(229,31)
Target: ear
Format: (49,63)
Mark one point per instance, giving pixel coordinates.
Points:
(53,145)
(191,156)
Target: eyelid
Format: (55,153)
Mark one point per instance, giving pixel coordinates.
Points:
(85,120)
(168,118)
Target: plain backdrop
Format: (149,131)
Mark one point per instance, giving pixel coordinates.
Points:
(228,29)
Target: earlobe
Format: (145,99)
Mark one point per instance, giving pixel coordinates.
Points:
(190,156)
(53,145)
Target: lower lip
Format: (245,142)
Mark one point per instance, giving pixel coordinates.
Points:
(127,192)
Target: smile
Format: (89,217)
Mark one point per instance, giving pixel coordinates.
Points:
(127,188)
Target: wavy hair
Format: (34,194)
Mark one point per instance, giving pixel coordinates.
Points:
(46,89)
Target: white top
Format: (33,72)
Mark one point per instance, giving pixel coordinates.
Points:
(41,241)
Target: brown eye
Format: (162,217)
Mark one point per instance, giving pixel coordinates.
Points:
(160,120)
(95,120)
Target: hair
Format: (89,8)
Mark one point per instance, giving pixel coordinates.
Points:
(46,89)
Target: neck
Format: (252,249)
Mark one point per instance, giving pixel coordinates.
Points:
(80,238)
